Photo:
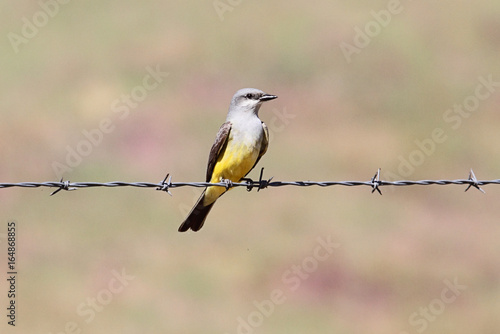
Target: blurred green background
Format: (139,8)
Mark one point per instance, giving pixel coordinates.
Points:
(347,116)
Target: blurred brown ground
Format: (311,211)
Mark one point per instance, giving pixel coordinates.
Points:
(350,118)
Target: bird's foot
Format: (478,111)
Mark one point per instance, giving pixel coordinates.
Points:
(228,183)
(261,184)
(250,183)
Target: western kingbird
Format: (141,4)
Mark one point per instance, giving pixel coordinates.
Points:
(240,143)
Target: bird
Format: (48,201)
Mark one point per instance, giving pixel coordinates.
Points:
(240,143)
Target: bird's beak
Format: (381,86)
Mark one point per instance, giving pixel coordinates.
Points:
(267,97)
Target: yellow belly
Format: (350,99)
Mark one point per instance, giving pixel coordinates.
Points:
(233,164)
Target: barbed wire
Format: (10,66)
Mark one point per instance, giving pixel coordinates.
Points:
(375,183)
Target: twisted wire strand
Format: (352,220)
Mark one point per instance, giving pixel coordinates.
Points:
(375,183)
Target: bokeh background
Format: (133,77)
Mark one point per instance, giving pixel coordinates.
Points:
(346,117)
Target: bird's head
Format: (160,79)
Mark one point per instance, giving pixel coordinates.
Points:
(249,100)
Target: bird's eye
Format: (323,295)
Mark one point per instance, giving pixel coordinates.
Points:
(249,96)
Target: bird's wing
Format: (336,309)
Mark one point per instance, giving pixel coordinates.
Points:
(220,142)
(263,146)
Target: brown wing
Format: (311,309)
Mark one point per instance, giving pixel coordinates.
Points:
(219,143)
(263,146)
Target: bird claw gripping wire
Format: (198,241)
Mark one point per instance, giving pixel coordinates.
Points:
(250,183)
(474,182)
(166,185)
(227,183)
(376,182)
(63,186)
(262,183)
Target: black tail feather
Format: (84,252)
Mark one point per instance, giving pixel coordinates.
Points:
(197,216)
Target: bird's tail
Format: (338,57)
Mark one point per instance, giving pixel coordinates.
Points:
(197,216)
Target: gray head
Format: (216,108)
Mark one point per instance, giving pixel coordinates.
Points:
(249,100)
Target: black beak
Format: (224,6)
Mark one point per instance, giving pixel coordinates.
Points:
(267,97)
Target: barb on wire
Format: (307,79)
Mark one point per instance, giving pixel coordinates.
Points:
(475,182)
(376,182)
(261,184)
(166,185)
(64,186)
